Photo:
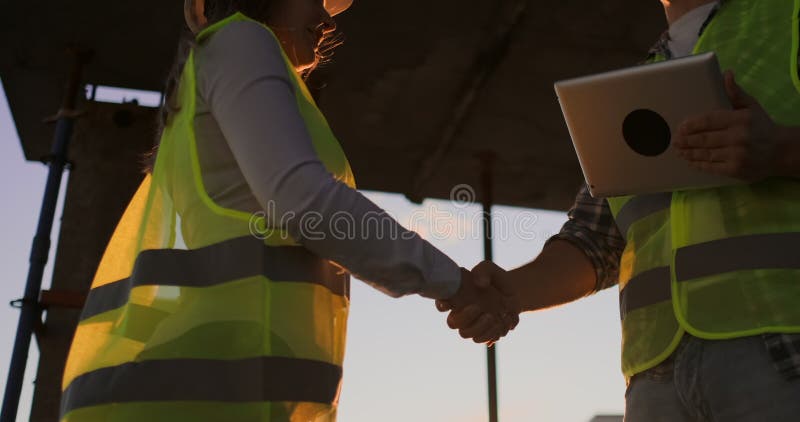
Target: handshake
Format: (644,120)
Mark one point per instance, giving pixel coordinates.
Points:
(486,306)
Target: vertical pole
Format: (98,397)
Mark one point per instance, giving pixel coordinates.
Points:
(30,312)
(487,159)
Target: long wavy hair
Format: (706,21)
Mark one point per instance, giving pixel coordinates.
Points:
(215,11)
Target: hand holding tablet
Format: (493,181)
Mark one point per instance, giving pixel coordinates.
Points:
(623,122)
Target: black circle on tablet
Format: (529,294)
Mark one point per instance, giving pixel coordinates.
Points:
(646,132)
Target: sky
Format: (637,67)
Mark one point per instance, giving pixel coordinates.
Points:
(402,362)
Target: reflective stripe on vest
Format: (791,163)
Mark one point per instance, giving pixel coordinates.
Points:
(278,379)
(647,288)
(217,264)
(640,207)
(754,252)
(765,251)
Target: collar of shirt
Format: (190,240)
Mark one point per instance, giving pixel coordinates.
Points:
(662,46)
(684,32)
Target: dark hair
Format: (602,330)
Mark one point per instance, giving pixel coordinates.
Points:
(215,11)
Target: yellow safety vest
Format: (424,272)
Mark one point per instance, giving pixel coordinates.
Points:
(234,327)
(724,262)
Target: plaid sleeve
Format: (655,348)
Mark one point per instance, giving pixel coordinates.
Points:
(591,227)
(785,352)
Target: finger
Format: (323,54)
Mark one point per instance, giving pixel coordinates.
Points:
(443,305)
(713,120)
(485,323)
(463,317)
(510,320)
(719,168)
(713,139)
(711,155)
(484,272)
(498,331)
(507,327)
(496,334)
(490,336)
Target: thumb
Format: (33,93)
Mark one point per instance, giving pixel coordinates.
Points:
(483,273)
(482,280)
(739,98)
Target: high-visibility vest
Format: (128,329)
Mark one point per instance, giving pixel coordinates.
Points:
(723,262)
(236,327)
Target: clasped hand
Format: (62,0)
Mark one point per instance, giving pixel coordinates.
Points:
(485,308)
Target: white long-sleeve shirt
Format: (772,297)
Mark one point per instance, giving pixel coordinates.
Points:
(685,31)
(255,150)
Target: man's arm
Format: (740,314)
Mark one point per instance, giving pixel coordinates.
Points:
(582,259)
(560,274)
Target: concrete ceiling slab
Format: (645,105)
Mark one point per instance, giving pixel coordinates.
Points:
(416,91)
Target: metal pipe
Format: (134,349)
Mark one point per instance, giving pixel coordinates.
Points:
(487,159)
(30,311)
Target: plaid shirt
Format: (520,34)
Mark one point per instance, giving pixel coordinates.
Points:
(591,227)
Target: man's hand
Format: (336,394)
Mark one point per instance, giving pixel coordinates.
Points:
(486,309)
(740,143)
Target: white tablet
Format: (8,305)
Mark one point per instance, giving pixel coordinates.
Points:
(622,124)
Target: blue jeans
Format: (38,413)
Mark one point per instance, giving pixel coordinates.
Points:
(715,381)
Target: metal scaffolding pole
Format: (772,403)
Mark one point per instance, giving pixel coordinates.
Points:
(487,159)
(30,310)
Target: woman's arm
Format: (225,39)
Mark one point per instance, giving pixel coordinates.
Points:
(242,76)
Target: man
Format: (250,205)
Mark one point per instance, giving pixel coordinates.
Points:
(709,278)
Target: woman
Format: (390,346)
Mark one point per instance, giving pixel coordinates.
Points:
(248,322)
